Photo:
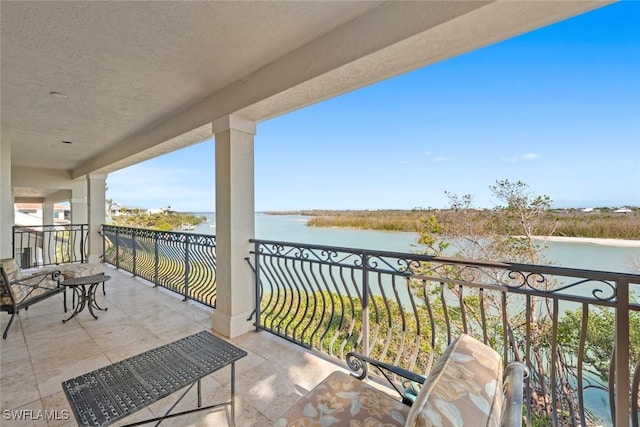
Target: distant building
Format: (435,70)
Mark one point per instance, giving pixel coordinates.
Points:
(115,209)
(623,210)
(31,214)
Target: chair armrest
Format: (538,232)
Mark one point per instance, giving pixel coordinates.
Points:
(514,375)
(35,280)
(42,276)
(357,362)
(26,287)
(360,362)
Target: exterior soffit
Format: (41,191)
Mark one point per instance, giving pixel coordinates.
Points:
(369,43)
(393,38)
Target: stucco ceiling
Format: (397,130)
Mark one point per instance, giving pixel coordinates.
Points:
(142,78)
(126,65)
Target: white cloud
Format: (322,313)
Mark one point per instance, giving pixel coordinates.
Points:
(526,156)
(440,159)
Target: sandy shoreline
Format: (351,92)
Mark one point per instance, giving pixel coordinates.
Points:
(605,242)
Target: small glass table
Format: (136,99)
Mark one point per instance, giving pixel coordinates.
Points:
(84,287)
(106,395)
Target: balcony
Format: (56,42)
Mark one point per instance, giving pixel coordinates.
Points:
(397,307)
(41,352)
(59,148)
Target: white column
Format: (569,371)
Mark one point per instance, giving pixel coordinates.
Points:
(47,213)
(49,253)
(79,216)
(78,202)
(235,224)
(96,207)
(6,200)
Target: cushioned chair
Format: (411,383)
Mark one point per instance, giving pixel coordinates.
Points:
(21,289)
(464,388)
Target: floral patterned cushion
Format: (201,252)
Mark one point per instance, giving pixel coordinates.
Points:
(10,268)
(23,290)
(463,389)
(341,400)
(70,271)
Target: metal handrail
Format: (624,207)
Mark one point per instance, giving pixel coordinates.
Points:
(41,245)
(403,308)
(184,263)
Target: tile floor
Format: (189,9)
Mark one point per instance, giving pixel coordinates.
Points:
(41,352)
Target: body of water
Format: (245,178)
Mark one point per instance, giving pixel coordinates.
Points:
(293,228)
(580,255)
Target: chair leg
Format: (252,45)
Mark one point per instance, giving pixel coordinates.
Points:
(65,300)
(4,335)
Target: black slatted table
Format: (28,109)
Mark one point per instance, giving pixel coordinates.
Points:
(106,395)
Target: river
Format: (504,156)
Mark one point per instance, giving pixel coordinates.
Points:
(581,255)
(293,228)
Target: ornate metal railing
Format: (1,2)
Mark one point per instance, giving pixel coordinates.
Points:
(182,262)
(571,327)
(39,245)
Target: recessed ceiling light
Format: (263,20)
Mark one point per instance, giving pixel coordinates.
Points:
(57,95)
(66,142)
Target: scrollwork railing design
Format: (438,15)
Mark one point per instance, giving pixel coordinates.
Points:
(182,262)
(403,309)
(40,245)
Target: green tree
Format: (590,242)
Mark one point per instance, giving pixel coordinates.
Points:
(515,234)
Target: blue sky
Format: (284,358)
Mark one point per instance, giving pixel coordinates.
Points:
(558,108)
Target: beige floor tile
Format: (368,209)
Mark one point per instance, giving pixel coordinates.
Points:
(269,389)
(179,330)
(41,352)
(211,393)
(119,351)
(206,322)
(50,379)
(18,386)
(195,313)
(54,335)
(246,364)
(46,358)
(142,414)
(15,331)
(57,403)
(117,334)
(29,415)
(13,349)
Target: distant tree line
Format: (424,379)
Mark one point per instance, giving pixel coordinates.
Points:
(599,223)
(158,221)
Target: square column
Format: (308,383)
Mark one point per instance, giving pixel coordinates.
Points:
(79,216)
(47,213)
(235,224)
(78,202)
(96,213)
(48,244)
(6,201)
